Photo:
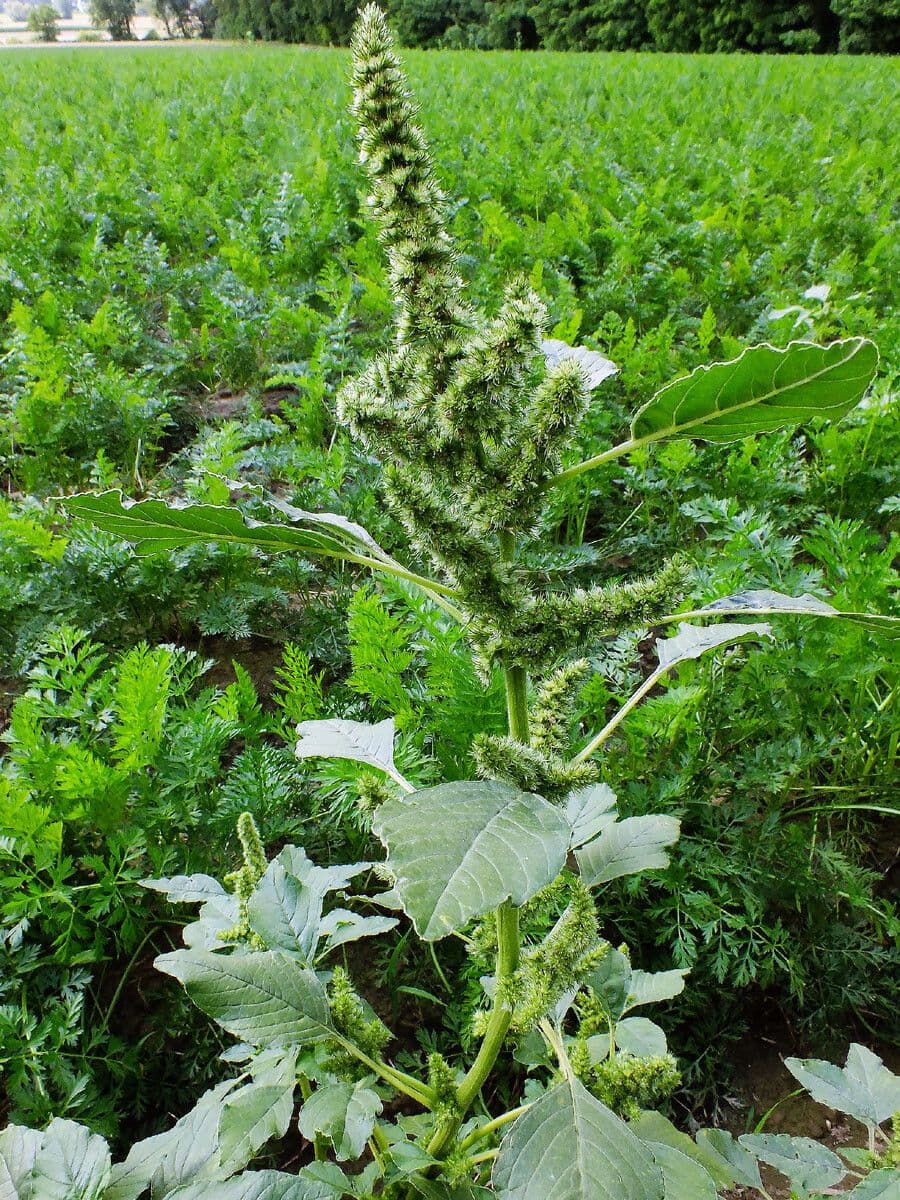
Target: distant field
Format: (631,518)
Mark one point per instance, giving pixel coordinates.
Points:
(649,186)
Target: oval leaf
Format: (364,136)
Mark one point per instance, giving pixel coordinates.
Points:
(763,390)
(460,849)
(683,1177)
(807,1165)
(265,998)
(635,844)
(343,1113)
(569,1146)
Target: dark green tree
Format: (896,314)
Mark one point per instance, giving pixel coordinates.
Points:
(868,26)
(42,21)
(115,16)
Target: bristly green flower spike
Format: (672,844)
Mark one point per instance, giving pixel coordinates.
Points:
(243,882)
(467,417)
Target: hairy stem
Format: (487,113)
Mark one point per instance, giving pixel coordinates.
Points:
(507,927)
(408,1084)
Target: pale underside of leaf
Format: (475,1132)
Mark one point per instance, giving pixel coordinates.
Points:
(354,740)
(627,847)
(650,987)
(765,602)
(460,849)
(72,1163)
(692,641)
(186,889)
(589,810)
(594,365)
(18,1150)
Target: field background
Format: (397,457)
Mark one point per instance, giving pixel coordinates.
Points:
(186,276)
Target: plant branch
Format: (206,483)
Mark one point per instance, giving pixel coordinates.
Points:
(597,741)
(598,460)
(408,1084)
(490,1127)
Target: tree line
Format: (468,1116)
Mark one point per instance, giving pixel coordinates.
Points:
(773,26)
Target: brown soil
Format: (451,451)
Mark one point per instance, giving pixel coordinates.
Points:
(762,1082)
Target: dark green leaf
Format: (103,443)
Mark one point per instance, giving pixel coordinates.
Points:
(762,390)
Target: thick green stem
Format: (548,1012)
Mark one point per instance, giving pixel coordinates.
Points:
(484,1131)
(507,928)
(412,1087)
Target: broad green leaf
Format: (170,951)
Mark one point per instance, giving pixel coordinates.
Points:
(589,810)
(460,849)
(610,980)
(626,847)
(370,744)
(18,1150)
(257,1113)
(569,1146)
(264,998)
(764,602)
(653,1127)
(762,390)
(343,1113)
(216,915)
(341,926)
(439,1189)
(320,879)
(683,1177)
(634,1035)
(721,1154)
(807,1165)
(71,1163)
(186,889)
(285,913)
(595,366)
(864,1088)
(259,1185)
(693,640)
(880,1185)
(173,1157)
(156,526)
(650,987)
